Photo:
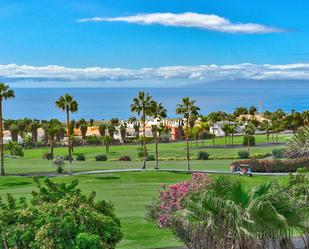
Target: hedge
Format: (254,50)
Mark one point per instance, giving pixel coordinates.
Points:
(273,166)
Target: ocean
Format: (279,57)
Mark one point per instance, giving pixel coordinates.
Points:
(106,103)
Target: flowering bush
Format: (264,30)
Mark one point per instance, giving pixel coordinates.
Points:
(170,198)
(271,166)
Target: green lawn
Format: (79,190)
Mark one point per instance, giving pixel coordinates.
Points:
(129,192)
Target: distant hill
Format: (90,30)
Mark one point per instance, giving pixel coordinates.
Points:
(245,83)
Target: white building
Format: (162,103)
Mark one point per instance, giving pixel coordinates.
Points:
(217,128)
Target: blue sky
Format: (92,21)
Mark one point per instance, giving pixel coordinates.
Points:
(41,33)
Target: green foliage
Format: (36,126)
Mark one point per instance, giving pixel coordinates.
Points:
(228,209)
(243,154)
(47,156)
(15,149)
(202,155)
(59,164)
(101,157)
(279,153)
(67,158)
(58,216)
(260,155)
(298,185)
(80,157)
(251,140)
(93,140)
(299,145)
(150,158)
(140,152)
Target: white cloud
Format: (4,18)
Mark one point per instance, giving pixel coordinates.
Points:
(146,76)
(190,20)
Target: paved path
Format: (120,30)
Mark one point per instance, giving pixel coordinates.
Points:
(173,170)
(144,170)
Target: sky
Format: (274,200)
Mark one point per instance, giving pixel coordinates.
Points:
(152,42)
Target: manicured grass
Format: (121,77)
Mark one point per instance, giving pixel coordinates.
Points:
(130,193)
(176,150)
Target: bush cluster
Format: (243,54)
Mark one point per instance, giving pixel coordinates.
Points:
(251,140)
(202,155)
(101,157)
(150,158)
(15,149)
(274,166)
(243,154)
(80,157)
(278,153)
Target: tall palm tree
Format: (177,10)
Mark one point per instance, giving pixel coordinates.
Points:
(33,128)
(102,129)
(67,104)
(5,94)
(266,126)
(249,132)
(142,105)
(83,126)
(213,117)
(233,130)
(53,129)
(188,109)
(158,112)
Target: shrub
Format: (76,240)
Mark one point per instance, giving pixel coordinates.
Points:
(125,158)
(273,166)
(93,140)
(39,144)
(260,155)
(278,153)
(164,138)
(150,158)
(80,157)
(59,164)
(140,153)
(101,157)
(67,158)
(15,149)
(170,198)
(251,140)
(202,155)
(58,215)
(243,154)
(47,156)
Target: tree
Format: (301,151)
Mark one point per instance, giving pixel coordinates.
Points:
(111,130)
(252,110)
(67,104)
(249,131)
(58,215)
(11,125)
(240,111)
(33,128)
(298,146)
(226,129)
(213,118)
(52,129)
(233,130)
(142,105)
(158,112)
(5,94)
(305,117)
(187,109)
(276,120)
(266,126)
(83,126)
(123,132)
(107,140)
(102,129)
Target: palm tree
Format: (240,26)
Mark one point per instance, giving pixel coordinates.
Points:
(107,140)
(5,94)
(83,126)
(305,117)
(188,109)
(102,129)
(33,128)
(266,126)
(52,129)
(67,104)
(213,117)
(230,215)
(249,131)
(123,132)
(158,112)
(226,129)
(233,130)
(142,105)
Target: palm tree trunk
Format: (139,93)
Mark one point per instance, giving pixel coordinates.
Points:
(248,143)
(69,142)
(157,153)
(232,138)
(1,140)
(213,134)
(52,149)
(144,139)
(187,139)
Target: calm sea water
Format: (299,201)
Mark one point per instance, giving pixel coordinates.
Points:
(105,103)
